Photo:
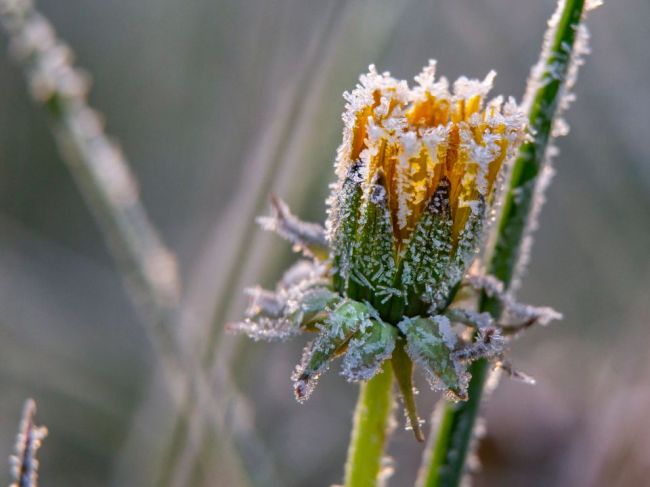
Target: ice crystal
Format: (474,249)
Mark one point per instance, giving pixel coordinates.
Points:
(341,224)
(488,343)
(373,259)
(428,252)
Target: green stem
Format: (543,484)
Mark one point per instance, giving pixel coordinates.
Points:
(445,464)
(370,430)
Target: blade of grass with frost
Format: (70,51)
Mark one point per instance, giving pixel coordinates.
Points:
(24,465)
(95,161)
(547,96)
(110,189)
(289,149)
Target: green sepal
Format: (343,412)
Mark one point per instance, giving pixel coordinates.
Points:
(424,267)
(403,368)
(307,307)
(342,225)
(335,332)
(373,261)
(430,343)
(367,350)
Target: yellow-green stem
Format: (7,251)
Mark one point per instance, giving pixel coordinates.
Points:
(370,431)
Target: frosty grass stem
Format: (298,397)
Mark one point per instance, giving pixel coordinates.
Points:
(109,187)
(445,466)
(370,430)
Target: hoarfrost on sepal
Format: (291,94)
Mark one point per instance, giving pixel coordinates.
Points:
(470,317)
(427,348)
(335,332)
(367,350)
(304,271)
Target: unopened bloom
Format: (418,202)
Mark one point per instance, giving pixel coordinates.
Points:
(428,161)
(418,170)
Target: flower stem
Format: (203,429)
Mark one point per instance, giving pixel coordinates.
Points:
(370,430)
(444,466)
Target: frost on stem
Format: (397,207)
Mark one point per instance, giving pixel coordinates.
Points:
(517,316)
(24,465)
(564,64)
(556,64)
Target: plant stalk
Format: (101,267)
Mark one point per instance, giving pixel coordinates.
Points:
(445,463)
(370,430)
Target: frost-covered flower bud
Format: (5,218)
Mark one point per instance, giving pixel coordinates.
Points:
(418,170)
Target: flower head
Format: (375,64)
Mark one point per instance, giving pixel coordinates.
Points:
(417,173)
(421,136)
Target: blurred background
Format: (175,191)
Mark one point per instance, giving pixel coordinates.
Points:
(218,104)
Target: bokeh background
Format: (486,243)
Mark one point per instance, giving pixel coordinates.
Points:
(218,104)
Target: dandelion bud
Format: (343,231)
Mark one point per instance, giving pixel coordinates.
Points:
(418,169)
(417,173)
